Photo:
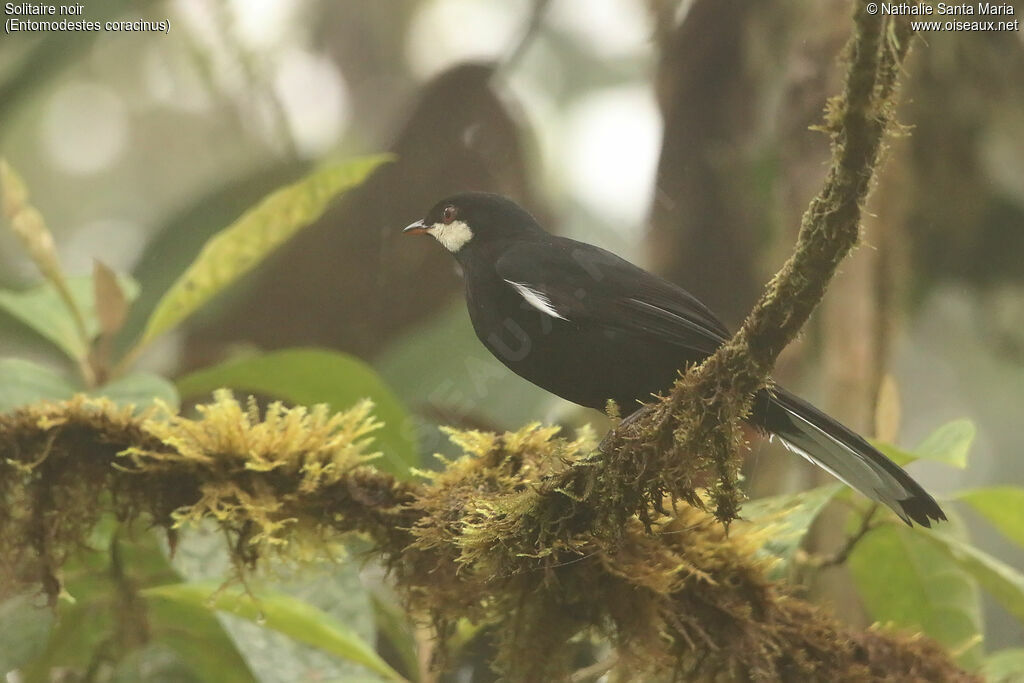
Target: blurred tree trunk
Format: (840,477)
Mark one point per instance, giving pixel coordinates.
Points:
(704,216)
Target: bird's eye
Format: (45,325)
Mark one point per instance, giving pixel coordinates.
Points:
(450,212)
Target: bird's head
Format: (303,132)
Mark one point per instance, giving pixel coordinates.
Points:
(474,218)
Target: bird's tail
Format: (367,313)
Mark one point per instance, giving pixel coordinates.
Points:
(838,450)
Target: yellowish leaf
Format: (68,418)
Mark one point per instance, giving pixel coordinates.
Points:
(259,231)
(888,410)
(30,228)
(13,193)
(111,303)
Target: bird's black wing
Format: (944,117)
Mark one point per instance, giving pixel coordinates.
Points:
(591,287)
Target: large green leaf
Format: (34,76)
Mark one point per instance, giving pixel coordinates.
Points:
(139,389)
(904,578)
(283,613)
(42,310)
(311,376)
(949,444)
(1005,666)
(23,382)
(394,624)
(99,620)
(24,629)
(242,245)
(328,585)
(154,662)
(1003,506)
(1005,583)
(199,640)
(787,518)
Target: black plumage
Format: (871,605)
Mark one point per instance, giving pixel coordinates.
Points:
(589,326)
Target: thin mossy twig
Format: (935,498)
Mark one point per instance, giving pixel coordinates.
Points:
(696,425)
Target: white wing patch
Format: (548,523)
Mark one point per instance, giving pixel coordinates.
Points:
(537,299)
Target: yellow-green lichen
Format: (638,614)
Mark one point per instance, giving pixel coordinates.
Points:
(260,478)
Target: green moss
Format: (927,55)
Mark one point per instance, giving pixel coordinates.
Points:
(516,533)
(255,477)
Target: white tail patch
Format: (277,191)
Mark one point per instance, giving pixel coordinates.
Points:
(537,299)
(793,448)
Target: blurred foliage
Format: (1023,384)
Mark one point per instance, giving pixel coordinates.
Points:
(1005,666)
(915,578)
(41,308)
(331,589)
(904,579)
(280,612)
(142,623)
(103,628)
(949,445)
(786,519)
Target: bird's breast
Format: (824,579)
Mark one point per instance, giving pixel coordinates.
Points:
(517,331)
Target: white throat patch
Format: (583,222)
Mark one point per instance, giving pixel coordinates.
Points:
(452,236)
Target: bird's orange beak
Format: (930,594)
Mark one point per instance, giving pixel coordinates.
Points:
(417,228)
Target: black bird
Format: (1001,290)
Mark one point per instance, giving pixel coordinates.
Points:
(588,326)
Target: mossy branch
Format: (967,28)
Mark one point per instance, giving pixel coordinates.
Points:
(694,432)
(484,539)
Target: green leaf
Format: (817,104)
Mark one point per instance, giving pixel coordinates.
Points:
(903,578)
(199,640)
(1005,666)
(24,629)
(42,309)
(1005,583)
(139,389)
(1003,506)
(949,444)
(393,622)
(331,586)
(898,455)
(283,613)
(310,376)
(788,518)
(255,234)
(153,663)
(89,627)
(23,382)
